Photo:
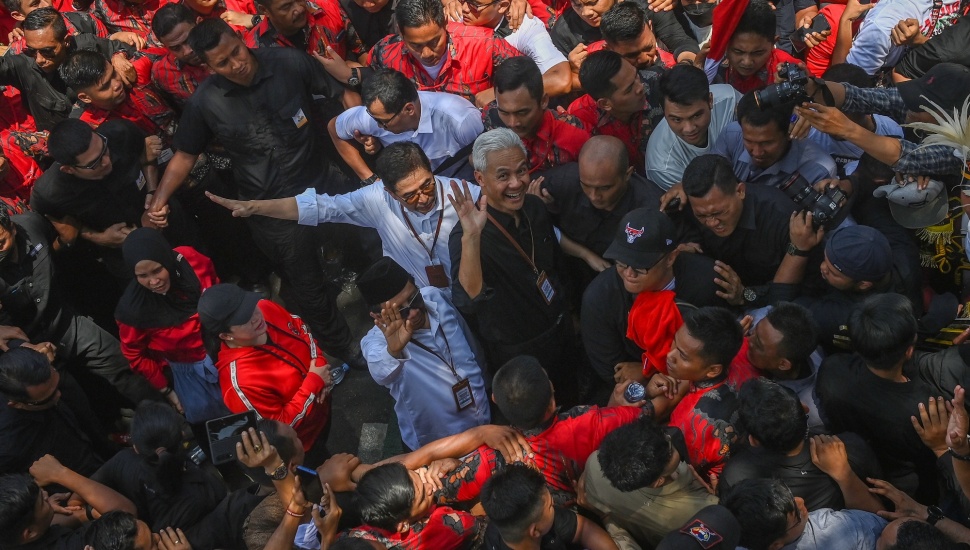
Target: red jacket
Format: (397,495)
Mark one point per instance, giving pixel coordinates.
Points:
(150,349)
(274,379)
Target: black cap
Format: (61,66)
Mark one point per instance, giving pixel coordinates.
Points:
(643,237)
(382,281)
(860,252)
(224,305)
(946,84)
(712,527)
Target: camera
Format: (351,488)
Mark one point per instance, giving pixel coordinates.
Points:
(823,206)
(793,87)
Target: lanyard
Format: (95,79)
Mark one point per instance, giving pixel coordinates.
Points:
(437,230)
(515,244)
(450,364)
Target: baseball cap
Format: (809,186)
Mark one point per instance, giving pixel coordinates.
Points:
(382,281)
(913,208)
(224,305)
(643,237)
(946,84)
(860,253)
(712,527)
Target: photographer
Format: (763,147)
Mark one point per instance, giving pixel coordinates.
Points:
(946,85)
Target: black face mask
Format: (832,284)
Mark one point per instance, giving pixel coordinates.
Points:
(701,15)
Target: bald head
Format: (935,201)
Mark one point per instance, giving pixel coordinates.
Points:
(604,171)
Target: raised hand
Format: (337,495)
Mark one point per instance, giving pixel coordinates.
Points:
(472,216)
(956,429)
(829,455)
(932,424)
(397,331)
(732,290)
(239,209)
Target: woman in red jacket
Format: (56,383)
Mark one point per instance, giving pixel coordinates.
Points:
(267,359)
(158,323)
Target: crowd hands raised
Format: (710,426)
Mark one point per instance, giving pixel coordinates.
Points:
(668,274)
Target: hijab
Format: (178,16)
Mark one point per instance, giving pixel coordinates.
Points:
(140,307)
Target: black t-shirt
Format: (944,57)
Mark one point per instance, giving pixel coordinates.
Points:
(58,537)
(950,46)
(798,472)
(26,436)
(102,203)
(560,537)
(371,27)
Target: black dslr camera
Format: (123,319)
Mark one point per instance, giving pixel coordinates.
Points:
(793,87)
(823,206)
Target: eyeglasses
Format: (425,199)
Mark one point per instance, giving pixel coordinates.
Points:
(639,272)
(416,302)
(48,53)
(383,123)
(798,513)
(426,189)
(479,6)
(97,161)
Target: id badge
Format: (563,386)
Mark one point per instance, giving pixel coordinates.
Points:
(299,119)
(437,276)
(463,395)
(545,288)
(165,155)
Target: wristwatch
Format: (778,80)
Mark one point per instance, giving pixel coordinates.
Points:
(279,473)
(368,181)
(934,514)
(749,294)
(354,79)
(794,251)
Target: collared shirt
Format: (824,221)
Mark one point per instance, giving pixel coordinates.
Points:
(373,206)
(447,124)
(76,22)
(121,16)
(756,247)
(533,40)
(827,528)
(143,107)
(930,159)
(326,25)
(421,382)
(647,513)
(266,128)
(634,133)
(508,281)
(558,138)
(469,61)
(586,224)
(177,80)
(803,156)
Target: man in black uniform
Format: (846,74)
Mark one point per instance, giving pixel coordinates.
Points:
(258,105)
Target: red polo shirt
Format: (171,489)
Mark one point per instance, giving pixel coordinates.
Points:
(326,24)
(557,141)
(470,60)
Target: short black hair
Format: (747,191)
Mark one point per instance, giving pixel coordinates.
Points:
(882,329)
(847,73)
(115,530)
(399,160)
(799,335)
(772,414)
(284,445)
(706,172)
(385,495)
(634,455)
(170,16)
(43,18)
(597,71)
(18,500)
(522,391)
(21,368)
(512,499)
(391,87)
(517,72)
(417,13)
(685,84)
(623,22)
(205,36)
(84,69)
(68,139)
(719,331)
(761,506)
(758,18)
(13,5)
(751,114)
(919,535)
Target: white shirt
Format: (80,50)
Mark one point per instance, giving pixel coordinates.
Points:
(873,49)
(448,122)
(668,156)
(829,529)
(421,383)
(373,206)
(533,40)
(847,153)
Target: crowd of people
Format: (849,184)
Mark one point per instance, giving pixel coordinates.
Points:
(672,274)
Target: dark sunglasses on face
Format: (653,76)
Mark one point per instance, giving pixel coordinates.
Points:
(97,161)
(48,53)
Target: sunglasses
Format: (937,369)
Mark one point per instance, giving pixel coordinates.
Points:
(425,189)
(416,302)
(383,123)
(48,53)
(97,161)
(479,6)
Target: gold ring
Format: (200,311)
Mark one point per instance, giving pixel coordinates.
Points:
(177,541)
(258,448)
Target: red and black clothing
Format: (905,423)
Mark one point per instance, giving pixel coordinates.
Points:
(761,78)
(470,60)
(121,16)
(274,379)
(144,107)
(177,80)
(326,25)
(444,529)
(76,22)
(558,139)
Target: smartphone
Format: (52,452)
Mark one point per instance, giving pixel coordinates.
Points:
(310,483)
(225,432)
(819,24)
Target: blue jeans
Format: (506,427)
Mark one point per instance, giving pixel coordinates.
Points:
(197,385)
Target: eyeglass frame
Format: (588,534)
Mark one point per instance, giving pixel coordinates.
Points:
(382,124)
(97,161)
(639,271)
(478,6)
(427,188)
